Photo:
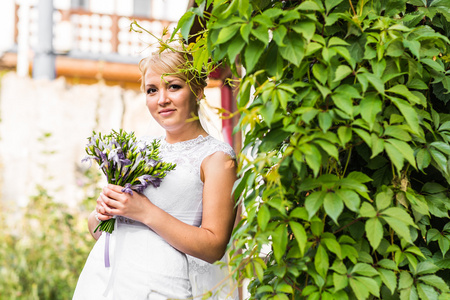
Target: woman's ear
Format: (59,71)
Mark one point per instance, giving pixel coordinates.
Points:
(200,94)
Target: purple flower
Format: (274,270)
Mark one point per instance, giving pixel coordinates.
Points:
(118,157)
(89,159)
(145,179)
(127,189)
(152,163)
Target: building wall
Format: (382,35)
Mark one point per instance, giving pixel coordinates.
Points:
(67,114)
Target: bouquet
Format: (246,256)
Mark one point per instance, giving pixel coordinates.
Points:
(126,162)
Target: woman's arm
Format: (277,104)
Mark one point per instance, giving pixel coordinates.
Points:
(92,224)
(218,172)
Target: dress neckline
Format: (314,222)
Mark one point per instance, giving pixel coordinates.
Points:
(183,145)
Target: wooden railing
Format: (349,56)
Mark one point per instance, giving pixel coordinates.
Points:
(82,31)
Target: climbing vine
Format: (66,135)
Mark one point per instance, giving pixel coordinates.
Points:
(344,171)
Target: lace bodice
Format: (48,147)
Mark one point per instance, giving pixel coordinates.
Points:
(180,193)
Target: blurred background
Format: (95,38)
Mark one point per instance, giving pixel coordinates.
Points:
(68,67)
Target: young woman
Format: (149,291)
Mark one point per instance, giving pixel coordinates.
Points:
(165,236)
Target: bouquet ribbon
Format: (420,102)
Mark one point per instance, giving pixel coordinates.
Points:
(111,261)
(107,264)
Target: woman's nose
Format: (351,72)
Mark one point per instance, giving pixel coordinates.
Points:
(163,98)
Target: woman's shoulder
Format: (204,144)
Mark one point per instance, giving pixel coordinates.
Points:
(215,145)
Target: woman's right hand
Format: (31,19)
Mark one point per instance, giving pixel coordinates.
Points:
(97,215)
(101,210)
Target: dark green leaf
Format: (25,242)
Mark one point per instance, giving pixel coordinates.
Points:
(252,54)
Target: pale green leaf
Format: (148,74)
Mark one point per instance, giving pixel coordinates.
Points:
(332,246)
(435,281)
(377,145)
(426,267)
(441,146)
(364,135)
(343,102)
(373,80)
(313,159)
(367,210)
(284,288)
(313,202)
(408,113)
(263,217)
(439,158)
(330,4)
(226,33)
(262,33)
(397,132)
(399,227)
(405,280)
(402,90)
(333,205)
(309,5)
(321,261)
(280,240)
(388,264)
(359,289)
(364,269)
(400,214)
(389,279)
(340,281)
(320,72)
(374,232)
(329,148)
(278,35)
(300,235)
(342,72)
(294,50)
(395,156)
(413,46)
(245,31)
(307,29)
(344,134)
(325,121)
(405,149)
(423,158)
(351,199)
(370,284)
(433,64)
(426,292)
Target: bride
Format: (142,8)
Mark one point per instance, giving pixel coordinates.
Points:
(166,238)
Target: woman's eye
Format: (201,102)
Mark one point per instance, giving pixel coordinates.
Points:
(174,87)
(151,91)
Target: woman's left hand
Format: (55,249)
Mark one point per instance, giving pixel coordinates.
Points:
(118,203)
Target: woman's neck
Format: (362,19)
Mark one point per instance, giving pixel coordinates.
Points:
(185,133)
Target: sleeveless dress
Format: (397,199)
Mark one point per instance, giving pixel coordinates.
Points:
(145,266)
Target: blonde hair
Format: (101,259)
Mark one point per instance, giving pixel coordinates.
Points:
(174,62)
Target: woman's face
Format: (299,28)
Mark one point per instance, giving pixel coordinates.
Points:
(169,100)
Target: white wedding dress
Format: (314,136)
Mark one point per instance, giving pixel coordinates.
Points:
(145,266)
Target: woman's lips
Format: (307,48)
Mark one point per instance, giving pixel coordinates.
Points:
(166,112)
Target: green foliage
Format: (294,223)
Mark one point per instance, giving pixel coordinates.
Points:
(345,170)
(43,248)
